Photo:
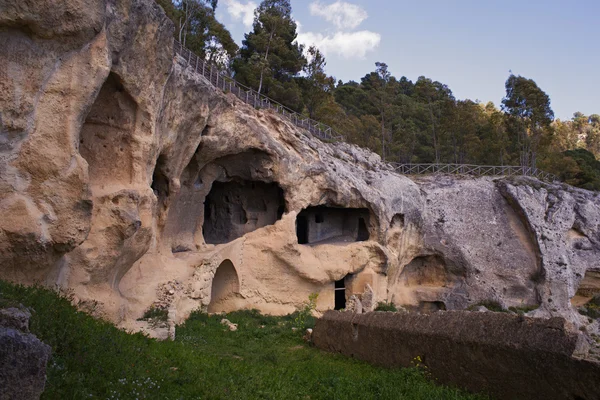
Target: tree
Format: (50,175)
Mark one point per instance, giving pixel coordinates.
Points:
(592,140)
(270,59)
(437,97)
(198,29)
(317,87)
(530,115)
(376,84)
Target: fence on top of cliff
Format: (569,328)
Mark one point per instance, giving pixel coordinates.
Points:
(468,169)
(324,132)
(217,78)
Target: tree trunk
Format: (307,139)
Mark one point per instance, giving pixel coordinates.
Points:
(262,67)
(435,146)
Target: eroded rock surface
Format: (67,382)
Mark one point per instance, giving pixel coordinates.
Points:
(122,170)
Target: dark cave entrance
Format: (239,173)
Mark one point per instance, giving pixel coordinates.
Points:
(363,231)
(429,307)
(302,229)
(323,224)
(235,208)
(160,183)
(340,294)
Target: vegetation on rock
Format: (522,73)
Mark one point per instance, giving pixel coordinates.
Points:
(384,306)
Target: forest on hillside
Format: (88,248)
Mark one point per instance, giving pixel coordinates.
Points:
(401,120)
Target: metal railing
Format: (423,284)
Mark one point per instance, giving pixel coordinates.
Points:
(476,170)
(324,132)
(250,96)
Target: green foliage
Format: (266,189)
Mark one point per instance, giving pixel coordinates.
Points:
(155,316)
(523,309)
(263,359)
(586,174)
(304,318)
(491,305)
(270,58)
(197,28)
(385,306)
(591,308)
(528,116)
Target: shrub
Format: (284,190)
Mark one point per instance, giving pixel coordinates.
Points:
(305,319)
(385,306)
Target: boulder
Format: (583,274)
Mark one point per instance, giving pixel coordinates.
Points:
(23,357)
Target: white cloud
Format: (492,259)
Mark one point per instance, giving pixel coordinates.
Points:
(240,11)
(345,44)
(343,15)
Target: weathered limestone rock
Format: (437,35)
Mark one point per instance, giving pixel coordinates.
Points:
(368,299)
(23,357)
(122,171)
(354,305)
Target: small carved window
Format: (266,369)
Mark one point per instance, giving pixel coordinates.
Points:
(319,218)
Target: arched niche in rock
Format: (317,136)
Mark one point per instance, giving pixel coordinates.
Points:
(225,288)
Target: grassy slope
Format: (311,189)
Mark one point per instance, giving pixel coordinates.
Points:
(93,359)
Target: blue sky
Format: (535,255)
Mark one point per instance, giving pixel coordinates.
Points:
(469,45)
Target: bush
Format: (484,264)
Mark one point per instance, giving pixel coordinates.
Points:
(304,318)
(385,306)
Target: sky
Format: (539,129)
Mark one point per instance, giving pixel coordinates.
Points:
(469,45)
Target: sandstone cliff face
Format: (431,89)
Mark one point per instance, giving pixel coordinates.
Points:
(130,179)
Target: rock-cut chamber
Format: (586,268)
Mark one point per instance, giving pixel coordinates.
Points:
(332,225)
(235,208)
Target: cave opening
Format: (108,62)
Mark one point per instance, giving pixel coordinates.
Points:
(225,287)
(234,208)
(363,231)
(322,224)
(429,307)
(340,294)
(302,229)
(160,183)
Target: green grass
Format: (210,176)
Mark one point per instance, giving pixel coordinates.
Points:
(263,359)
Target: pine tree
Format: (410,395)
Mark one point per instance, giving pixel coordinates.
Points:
(530,115)
(270,59)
